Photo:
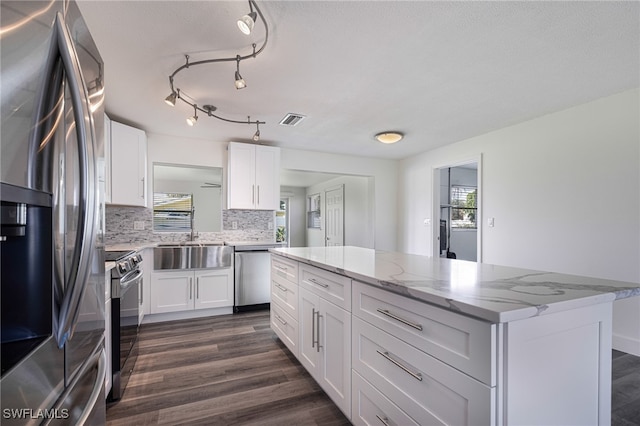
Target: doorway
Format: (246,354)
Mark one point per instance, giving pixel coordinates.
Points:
(457,211)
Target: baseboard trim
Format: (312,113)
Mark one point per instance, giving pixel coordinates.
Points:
(173,316)
(626,344)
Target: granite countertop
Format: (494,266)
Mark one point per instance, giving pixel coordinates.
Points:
(489,292)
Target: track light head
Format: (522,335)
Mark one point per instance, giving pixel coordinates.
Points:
(240,83)
(256,135)
(247,22)
(171,99)
(191,121)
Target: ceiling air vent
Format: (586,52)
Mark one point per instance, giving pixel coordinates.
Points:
(292,119)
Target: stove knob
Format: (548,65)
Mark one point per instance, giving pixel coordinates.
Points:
(122,267)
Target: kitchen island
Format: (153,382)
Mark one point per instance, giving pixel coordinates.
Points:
(443,341)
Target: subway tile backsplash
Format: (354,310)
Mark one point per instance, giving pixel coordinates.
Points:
(249,225)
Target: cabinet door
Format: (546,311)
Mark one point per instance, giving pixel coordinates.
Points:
(128,165)
(171,292)
(335,351)
(267,178)
(213,289)
(308,329)
(241,176)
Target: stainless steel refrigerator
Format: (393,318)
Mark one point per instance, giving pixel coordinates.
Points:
(51,241)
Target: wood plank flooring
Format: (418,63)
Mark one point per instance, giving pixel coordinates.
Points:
(226,370)
(233,370)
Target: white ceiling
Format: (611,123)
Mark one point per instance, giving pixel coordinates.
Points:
(438,71)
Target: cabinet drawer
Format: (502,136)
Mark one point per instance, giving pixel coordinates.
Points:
(465,343)
(284,268)
(332,287)
(428,390)
(370,407)
(285,327)
(286,294)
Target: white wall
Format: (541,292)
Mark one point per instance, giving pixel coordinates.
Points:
(564,190)
(384,174)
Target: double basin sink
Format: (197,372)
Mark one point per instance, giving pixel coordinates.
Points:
(192,255)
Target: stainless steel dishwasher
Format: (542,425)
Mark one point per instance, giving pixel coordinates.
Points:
(252,275)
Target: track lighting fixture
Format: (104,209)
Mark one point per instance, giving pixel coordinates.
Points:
(246,25)
(247,22)
(240,83)
(191,121)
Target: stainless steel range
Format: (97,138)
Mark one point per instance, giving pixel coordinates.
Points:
(126,293)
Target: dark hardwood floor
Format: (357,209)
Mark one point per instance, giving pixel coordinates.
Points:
(226,370)
(233,370)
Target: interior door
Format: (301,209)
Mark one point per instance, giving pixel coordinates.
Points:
(334,212)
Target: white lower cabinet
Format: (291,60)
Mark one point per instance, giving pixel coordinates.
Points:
(175,291)
(428,390)
(325,346)
(370,407)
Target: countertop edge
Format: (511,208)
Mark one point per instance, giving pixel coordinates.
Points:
(462,307)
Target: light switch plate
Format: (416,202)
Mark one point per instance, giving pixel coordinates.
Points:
(138,225)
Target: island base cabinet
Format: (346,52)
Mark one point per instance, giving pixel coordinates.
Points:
(426,389)
(370,407)
(285,327)
(558,368)
(325,346)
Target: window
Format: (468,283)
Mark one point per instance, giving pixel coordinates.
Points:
(172,212)
(463,207)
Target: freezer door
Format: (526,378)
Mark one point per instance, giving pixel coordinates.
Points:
(252,278)
(83,402)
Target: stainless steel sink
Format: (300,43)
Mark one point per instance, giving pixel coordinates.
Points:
(188,256)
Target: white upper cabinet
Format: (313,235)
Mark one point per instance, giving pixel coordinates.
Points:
(253,177)
(107,159)
(128,165)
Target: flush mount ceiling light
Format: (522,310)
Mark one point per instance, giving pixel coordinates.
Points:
(246,25)
(389,137)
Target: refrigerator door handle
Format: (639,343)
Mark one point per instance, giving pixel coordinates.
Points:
(80,265)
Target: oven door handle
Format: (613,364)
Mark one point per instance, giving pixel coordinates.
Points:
(128,281)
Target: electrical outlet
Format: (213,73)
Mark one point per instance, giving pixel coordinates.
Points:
(138,225)
(270,225)
(491,222)
(234,225)
(427,222)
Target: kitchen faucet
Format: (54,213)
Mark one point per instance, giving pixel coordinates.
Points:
(194,236)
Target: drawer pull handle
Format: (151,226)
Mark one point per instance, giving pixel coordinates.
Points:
(280,319)
(281,288)
(384,420)
(316,282)
(416,376)
(280,268)
(397,318)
